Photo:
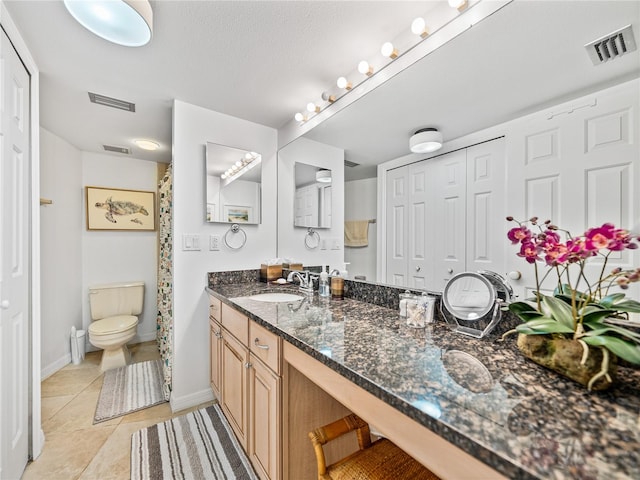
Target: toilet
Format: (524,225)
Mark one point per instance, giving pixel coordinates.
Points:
(114,310)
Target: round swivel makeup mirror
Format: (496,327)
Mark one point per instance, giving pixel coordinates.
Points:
(469,296)
(471,302)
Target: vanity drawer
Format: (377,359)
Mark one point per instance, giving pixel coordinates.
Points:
(235,323)
(214,308)
(265,345)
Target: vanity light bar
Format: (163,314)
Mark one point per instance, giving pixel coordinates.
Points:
(388,50)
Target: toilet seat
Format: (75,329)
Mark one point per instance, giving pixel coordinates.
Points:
(115,324)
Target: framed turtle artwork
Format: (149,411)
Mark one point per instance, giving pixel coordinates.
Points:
(119,209)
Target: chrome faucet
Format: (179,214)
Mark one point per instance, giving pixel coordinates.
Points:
(306,281)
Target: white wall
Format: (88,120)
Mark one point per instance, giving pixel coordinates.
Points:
(291,239)
(60,249)
(360,203)
(193,127)
(117,256)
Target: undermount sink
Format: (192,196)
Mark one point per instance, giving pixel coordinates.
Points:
(276,297)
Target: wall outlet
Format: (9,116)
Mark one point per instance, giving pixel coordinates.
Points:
(323,244)
(335,244)
(214,243)
(190,242)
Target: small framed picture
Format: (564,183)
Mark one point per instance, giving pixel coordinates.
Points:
(238,214)
(119,209)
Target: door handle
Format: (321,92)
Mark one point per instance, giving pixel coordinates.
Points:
(417,269)
(449,270)
(256,342)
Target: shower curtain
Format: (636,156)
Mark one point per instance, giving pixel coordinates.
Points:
(164,332)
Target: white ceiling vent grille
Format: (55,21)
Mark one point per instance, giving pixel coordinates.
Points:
(114,149)
(349,163)
(111,102)
(611,46)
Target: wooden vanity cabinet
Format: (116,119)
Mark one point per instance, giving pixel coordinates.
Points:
(245,377)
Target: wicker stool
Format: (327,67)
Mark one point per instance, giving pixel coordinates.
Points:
(378,460)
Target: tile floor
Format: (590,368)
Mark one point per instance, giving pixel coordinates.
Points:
(75,448)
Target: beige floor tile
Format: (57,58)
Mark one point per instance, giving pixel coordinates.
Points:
(69,381)
(113,460)
(77,415)
(66,454)
(159,412)
(144,352)
(52,405)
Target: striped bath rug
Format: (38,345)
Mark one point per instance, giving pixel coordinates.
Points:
(129,388)
(199,445)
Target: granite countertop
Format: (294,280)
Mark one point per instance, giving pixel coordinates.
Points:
(481,395)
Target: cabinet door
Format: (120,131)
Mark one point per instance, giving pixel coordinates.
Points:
(215,357)
(264,420)
(234,395)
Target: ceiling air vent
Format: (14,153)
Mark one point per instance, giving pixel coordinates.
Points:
(111,102)
(114,149)
(349,163)
(611,46)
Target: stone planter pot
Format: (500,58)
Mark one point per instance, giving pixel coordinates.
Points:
(564,355)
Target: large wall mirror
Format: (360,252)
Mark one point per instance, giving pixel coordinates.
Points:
(481,78)
(312,199)
(234,185)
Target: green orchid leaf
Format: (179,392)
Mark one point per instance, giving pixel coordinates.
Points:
(633,336)
(609,300)
(596,315)
(560,311)
(623,349)
(529,315)
(543,325)
(627,306)
(521,307)
(567,292)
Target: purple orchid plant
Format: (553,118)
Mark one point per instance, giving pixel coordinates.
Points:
(580,309)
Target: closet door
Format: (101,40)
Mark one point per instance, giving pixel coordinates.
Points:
(397,229)
(450,216)
(486,226)
(418,272)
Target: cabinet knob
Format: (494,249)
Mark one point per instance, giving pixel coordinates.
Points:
(256,342)
(247,365)
(417,269)
(514,275)
(449,270)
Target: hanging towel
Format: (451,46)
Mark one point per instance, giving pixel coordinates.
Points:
(356,233)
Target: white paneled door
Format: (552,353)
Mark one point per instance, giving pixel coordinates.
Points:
(14,262)
(579,166)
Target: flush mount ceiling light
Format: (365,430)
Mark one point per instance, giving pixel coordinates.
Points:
(323,176)
(125,22)
(147,144)
(425,140)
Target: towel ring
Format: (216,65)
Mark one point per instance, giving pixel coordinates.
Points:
(235,228)
(312,239)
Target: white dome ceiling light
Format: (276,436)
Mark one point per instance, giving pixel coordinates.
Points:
(323,176)
(125,22)
(425,140)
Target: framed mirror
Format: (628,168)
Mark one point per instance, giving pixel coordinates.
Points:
(312,199)
(234,185)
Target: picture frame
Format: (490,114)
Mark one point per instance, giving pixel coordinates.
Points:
(237,214)
(120,209)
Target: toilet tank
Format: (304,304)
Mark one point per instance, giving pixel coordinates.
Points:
(116,299)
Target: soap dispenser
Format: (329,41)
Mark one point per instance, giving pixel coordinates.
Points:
(337,287)
(323,288)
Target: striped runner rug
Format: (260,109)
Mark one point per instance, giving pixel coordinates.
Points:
(128,389)
(197,446)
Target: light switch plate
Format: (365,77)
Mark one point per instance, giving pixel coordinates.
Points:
(190,242)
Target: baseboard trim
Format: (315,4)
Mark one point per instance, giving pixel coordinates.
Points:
(55,366)
(191,400)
